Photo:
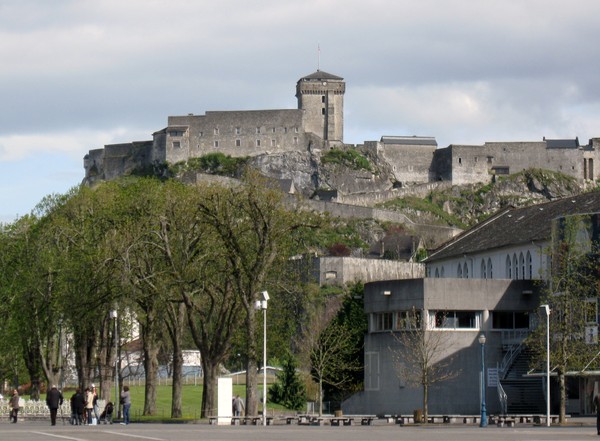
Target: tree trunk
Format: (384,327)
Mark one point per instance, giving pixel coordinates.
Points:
(176,391)
(320,396)
(425,402)
(563,398)
(150,347)
(209,391)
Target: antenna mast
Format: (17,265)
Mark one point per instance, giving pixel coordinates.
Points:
(318,57)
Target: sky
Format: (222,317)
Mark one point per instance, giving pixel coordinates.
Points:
(78,74)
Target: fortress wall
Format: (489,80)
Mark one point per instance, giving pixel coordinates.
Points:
(93,163)
(279,131)
(469,164)
(371,199)
(343,270)
(122,159)
(410,163)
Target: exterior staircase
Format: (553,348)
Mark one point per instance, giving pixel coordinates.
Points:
(525,395)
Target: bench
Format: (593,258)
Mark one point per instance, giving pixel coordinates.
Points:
(255,420)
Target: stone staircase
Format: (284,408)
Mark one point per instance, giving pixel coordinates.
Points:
(525,394)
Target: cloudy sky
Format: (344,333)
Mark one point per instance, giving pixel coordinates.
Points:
(78,74)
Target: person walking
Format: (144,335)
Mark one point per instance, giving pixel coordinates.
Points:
(126,402)
(89,404)
(95,402)
(54,400)
(14,406)
(238,406)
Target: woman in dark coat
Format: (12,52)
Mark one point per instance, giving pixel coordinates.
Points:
(77,403)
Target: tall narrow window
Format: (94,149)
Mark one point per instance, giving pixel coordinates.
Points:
(515,266)
(465,271)
(529,266)
(522,266)
(508,272)
(238,142)
(483,269)
(490,271)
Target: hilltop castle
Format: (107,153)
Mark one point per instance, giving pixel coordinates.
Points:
(318,123)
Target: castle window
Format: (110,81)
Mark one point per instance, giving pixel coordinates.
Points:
(273,143)
(296,129)
(273,129)
(238,142)
(490,159)
(238,130)
(258,130)
(460,160)
(216,131)
(216,144)
(285,130)
(295,140)
(176,144)
(323,99)
(323,111)
(258,143)
(200,134)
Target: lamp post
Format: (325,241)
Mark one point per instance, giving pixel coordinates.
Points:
(113,315)
(483,422)
(262,304)
(546,309)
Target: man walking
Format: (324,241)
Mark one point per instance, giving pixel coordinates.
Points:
(54,400)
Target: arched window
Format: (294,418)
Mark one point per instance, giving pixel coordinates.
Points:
(442,272)
(522,266)
(529,266)
(483,269)
(490,272)
(437,273)
(466,271)
(515,266)
(508,268)
(459,271)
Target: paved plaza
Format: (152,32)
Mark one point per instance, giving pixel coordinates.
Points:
(38,430)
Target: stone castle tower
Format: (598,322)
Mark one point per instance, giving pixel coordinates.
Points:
(321,98)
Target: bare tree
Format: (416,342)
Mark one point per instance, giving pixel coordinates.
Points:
(417,356)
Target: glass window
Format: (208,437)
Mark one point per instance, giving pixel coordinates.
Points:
(489,265)
(455,319)
(383,321)
(529,266)
(508,268)
(510,320)
(408,320)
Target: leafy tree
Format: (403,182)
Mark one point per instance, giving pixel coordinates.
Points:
(254,230)
(327,348)
(288,390)
(571,291)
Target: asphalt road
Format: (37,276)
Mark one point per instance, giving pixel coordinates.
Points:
(39,430)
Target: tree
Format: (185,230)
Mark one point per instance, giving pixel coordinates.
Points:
(288,390)
(417,356)
(327,348)
(254,231)
(571,291)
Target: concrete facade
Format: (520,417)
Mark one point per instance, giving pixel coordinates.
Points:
(386,392)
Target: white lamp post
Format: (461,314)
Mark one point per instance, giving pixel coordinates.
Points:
(113,315)
(483,422)
(546,309)
(262,304)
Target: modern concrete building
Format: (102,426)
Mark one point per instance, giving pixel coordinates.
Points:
(481,282)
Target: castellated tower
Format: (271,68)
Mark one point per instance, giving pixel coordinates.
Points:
(321,98)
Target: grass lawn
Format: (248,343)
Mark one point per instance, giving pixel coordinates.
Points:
(191,402)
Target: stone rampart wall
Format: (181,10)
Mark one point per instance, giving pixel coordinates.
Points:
(344,270)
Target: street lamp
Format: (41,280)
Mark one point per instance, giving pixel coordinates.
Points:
(546,309)
(483,422)
(262,304)
(114,315)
